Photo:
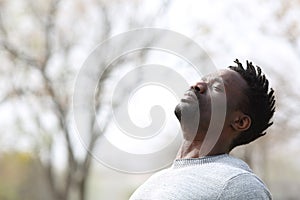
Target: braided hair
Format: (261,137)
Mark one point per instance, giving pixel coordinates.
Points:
(260,105)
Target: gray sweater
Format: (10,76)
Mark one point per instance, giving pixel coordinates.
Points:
(210,177)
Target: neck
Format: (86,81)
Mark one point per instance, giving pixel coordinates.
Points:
(196,149)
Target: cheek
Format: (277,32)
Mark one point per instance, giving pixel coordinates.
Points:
(218,101)
(234,99)
(230,104)
(205,106)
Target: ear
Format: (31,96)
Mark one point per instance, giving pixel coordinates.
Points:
(241,123)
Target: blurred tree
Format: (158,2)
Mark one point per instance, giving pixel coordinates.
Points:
(41,44)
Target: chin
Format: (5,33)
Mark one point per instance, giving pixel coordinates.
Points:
(189,118)
(177,112)
(187,113)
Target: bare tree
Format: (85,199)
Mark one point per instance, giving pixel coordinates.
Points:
(33,51)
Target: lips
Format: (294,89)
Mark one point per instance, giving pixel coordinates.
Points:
(189,96)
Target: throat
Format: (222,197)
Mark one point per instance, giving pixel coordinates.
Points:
(197,149)
(190,150)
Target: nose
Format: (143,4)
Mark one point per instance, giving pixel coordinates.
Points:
(199,87)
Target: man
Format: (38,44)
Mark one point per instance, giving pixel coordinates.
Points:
(203,169)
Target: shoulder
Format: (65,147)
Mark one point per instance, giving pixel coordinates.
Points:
(244,186)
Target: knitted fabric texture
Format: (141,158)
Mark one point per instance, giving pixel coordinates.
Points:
(211,177)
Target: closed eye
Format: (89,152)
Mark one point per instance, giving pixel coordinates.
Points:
(218,88)
(218,85)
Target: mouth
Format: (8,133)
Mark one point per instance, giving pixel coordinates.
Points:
(189,96)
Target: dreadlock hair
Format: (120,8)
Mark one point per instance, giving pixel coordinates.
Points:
(260,106)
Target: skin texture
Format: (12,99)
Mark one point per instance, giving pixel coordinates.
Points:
(194,113)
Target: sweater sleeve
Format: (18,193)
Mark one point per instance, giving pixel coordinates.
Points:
(245,187)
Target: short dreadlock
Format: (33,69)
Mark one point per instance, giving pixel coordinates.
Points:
(261,103)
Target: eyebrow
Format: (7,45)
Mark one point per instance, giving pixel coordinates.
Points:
(216,79)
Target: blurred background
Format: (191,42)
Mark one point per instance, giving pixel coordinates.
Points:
(43,44)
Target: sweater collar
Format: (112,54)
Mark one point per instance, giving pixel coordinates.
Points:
(222,158)
(179,163)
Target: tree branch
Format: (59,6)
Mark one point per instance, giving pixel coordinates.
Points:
(20,55)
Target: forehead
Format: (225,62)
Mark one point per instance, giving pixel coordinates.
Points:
(228,77)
